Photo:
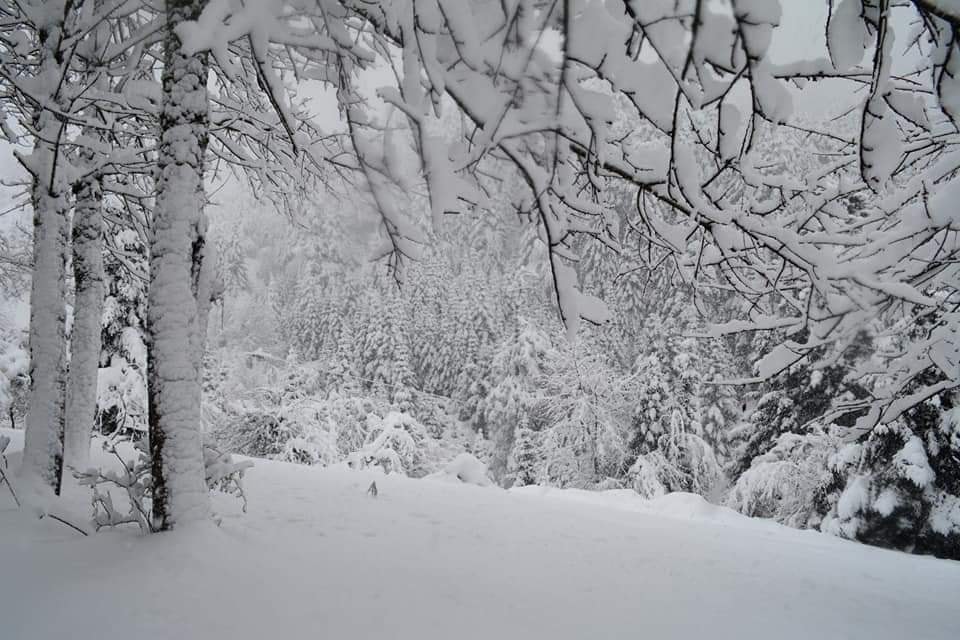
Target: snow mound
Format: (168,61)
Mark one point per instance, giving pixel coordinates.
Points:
(464,468)
(677,505)
(315,556)
(690,506)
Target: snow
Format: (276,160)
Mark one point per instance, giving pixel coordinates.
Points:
(179,293)
(677,506)
(911,462)
(886,502)
(846,34)
(317,557)
(465,468)
(778,359)
(855,498)
(946,514)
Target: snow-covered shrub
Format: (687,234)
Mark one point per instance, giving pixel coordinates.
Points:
(394,443)
(134,478)
(313,432)
(294,434)
(303,413)
(789,483)
(467,469)
(222,473)
(225,474)
(292,418)
(653,475)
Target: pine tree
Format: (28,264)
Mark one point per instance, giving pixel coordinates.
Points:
(511,393)
(525,457)
(796,399)
(386,356)
(232,268)
(900,487)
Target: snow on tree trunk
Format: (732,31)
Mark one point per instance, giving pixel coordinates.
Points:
(88,276)
(43,440)
(176,279)
(85,338)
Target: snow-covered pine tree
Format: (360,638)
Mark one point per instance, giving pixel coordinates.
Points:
(525,457)
(793,401)
(774,415)
(511,392)
(681,461)
(900,486)
(233,268)
(386,355)
(343,368)
(313,316)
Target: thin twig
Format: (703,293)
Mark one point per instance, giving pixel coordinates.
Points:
(62,521)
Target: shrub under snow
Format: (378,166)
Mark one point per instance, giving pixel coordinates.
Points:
(394,443)
(467,469)
(788,483)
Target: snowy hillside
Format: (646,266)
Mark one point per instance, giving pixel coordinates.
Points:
(317,557)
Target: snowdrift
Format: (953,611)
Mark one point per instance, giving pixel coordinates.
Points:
(318,557)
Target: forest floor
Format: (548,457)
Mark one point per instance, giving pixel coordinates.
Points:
(317,557)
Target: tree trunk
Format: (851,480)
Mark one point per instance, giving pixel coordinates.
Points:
(89,289)
(88,309)
(43,441)
(174,310)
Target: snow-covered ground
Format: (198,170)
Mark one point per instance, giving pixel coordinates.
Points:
(317,557)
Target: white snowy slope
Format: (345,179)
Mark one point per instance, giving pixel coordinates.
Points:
(316,557)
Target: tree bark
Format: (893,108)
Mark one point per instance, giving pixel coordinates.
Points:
(88,309)
(176,268)
(43,441)
(89,288)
